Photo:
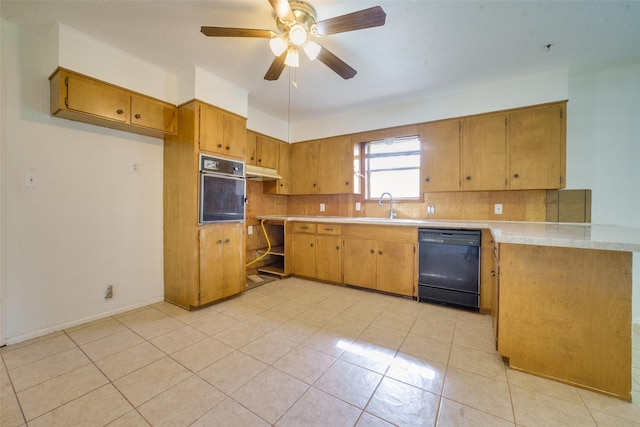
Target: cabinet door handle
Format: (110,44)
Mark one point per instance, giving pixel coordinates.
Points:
(379,252)
(119,111)
(219,145)
(259,160)
(372,251)
(311,244)
(227,240)
(515,175)
(337,248)
(468,178)
(227,148)
(137,116)
(346,183)
(219,241)
(426,179)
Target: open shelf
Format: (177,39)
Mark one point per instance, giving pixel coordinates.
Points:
(276,250)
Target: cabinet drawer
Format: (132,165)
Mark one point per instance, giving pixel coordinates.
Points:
(304,227)
(331,229)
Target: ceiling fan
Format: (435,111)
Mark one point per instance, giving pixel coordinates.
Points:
(296,20)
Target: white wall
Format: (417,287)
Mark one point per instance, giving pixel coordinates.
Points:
(89,222)
(603,147)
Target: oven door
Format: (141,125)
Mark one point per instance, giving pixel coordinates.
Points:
(222,198)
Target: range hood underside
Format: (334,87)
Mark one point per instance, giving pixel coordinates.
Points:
(258,173)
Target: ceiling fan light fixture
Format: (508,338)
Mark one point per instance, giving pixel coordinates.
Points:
(278,45)
(298,34)
(312,49)
(292,59)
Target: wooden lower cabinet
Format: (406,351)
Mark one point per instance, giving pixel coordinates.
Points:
(317,251)
(565,314)
(304,255)
(221,261)
(385,263)
(359,262)
(329,258)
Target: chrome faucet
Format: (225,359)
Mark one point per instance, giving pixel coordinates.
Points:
(392,214)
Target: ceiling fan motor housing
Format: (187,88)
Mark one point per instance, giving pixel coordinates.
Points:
(305,15)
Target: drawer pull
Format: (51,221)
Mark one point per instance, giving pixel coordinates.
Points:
(137,116)
(119,111)
(328,229)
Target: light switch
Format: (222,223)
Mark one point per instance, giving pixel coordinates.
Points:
(357,206)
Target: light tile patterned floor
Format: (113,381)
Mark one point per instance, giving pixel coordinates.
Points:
(289,353)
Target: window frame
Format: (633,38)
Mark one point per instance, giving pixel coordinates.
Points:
(367,172)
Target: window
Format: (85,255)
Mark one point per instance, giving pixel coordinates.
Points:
(393,165)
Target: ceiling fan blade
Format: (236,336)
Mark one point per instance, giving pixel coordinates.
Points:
(236,32)
(283,10)
(336,64)
(366,18)
(276,68)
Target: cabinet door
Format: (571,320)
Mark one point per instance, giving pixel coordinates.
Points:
(536,148)
(251,153)
(395,267)
(329,258)
(483,153)
(359,262)
(233,135)
(440,156)
(335,166)
(267,153)
(222,132)
(304,255)
(93,97)
(233,259)
(153,114)
(280,186)
(211,264)
(210,129)
(304,168)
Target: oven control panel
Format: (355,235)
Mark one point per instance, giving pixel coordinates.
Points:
(210,164)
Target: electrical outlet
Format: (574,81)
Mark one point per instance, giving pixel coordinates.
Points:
(358,207)
(135,167)
(250,229)
(31,180)
(497,209)
(109,293)
(321,207)
(431,209)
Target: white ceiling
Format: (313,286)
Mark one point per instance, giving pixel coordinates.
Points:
(424,48)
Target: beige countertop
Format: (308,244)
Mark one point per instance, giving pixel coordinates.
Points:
(570,235)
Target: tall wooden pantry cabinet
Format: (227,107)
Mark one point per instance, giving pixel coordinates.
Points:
(202,263)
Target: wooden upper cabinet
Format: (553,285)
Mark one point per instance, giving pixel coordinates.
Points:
(221,132)
(336,166)
(85,99)
(536,147)
(153,114)
(251,153)
(304,168)
(440,156)
(280,186)
(90,96)
(267,152)
(483,152)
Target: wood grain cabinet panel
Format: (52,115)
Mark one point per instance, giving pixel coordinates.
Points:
(483,152)
(536,148)
(221,132)
(359,262)
(304,168)
(85,99)
(221,261)
(440,156)
(565,313)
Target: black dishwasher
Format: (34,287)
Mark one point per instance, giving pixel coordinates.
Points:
(449,267)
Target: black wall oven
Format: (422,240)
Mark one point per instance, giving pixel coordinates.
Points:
(222,190)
